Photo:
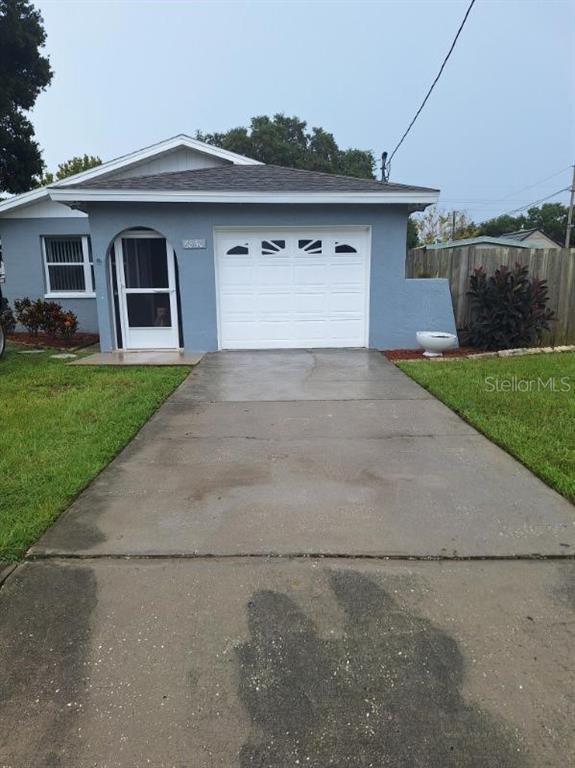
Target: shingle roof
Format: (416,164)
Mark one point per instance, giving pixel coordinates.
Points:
(479,240)
(522,235)
(519,234)
(250,178)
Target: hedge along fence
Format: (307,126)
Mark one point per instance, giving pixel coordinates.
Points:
(557,266)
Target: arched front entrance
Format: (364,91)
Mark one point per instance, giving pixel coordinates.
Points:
(145,278)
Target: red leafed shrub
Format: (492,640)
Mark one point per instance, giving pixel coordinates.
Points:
(68,325)
(46,316)
(30,314)
(508,309)
(52,317)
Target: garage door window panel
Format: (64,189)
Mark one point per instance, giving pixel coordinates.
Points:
(344,248)
(310,246)
(270,247)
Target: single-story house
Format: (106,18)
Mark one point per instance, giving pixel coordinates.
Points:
(523,238)
(186,245)
(535,237)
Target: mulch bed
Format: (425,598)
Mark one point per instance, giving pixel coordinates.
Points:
(417,354)
(77,341)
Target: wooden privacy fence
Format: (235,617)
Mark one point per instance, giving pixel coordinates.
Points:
(557,266)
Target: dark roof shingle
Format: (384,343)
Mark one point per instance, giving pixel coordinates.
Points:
(250,178)
(519,234)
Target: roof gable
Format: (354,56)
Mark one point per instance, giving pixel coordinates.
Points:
(534,235)
(519,234)
(131,160)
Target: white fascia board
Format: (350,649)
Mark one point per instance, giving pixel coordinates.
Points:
(181,196)
(168,145)
(26,198)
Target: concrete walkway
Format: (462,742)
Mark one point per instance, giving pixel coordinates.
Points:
(149,357)
(256,621)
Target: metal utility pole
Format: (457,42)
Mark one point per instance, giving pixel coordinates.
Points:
(570,213)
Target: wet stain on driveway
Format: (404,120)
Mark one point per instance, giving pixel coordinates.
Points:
(386,693)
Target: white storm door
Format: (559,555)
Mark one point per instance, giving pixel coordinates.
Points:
(146,281)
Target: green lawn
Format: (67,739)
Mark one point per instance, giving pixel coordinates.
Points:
(60,425)
(537,427)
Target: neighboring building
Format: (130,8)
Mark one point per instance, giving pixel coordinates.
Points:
(523,238)
(187,245)
(535,237)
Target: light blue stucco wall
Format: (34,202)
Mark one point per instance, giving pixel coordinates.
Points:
(398,306)
(22,256)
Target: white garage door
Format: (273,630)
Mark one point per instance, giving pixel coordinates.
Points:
(293,288)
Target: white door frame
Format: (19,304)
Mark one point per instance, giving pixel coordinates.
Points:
(150,337)
(321,230)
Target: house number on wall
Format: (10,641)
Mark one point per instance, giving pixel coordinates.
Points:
(193,243)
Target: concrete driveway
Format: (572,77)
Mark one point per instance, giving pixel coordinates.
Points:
(332,453)
(222,595)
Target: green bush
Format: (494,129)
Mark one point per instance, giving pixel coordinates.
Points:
(508,309)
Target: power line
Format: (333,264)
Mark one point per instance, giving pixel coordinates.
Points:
(433,84)
(512,196)
(481,202)
(537,183)
(535,202)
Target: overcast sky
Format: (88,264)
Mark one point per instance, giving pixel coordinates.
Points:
(502,118)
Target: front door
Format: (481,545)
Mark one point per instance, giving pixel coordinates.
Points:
(146,282)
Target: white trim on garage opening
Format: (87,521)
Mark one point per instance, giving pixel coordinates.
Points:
(320,230)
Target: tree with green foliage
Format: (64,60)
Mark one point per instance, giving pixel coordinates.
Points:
(412,234)
(24,74)
(281,140)
(75,165)
(437,226)
(550,218)
(500,224)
